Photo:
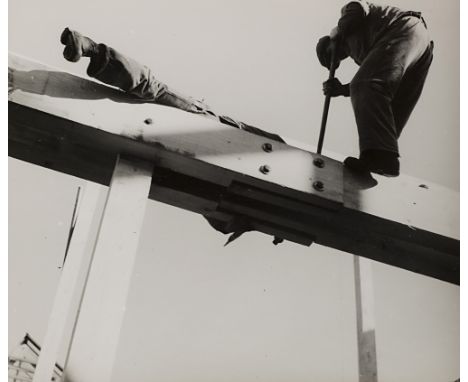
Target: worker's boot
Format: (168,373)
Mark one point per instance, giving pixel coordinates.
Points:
(380,162)
(77,45)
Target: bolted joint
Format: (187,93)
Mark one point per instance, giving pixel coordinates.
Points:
(265,169)
(318,185)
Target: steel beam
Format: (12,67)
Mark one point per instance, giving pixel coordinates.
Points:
(96,339)
(65,307)
(76,126)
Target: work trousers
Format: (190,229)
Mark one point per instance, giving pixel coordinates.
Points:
(113,68)
(389,82)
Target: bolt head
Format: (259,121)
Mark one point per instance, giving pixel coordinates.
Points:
(265,169)
(318,185)
(267,147)
(318,162)
(277,240)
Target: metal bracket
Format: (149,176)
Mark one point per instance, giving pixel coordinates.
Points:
(327,178)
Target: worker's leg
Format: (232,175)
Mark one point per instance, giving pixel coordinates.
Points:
(376,83)
(375,87)
(410,90)
(372,91)
(113,68)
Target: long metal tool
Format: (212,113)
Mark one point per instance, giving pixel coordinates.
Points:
(326,105)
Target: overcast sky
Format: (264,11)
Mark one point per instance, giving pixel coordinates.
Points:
(251,311)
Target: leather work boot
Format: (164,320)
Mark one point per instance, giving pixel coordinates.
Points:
(380,162)
(77,45)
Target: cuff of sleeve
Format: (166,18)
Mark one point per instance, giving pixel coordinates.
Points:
(98,61)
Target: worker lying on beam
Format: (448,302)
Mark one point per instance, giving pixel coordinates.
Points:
(394,52)
(113,68)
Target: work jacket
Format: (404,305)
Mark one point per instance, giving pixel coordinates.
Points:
(363,24)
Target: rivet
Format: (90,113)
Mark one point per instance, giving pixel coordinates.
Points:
(277,240)
(267,147)
(319,162)
(148,121)
(265,169)
(318,185)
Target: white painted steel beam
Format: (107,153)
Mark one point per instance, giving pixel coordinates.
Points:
(365,320)
(76,126)
(65,308)
(102,311)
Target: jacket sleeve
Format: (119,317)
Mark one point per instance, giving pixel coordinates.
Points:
(352,15)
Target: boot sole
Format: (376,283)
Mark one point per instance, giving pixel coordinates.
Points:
(357,166)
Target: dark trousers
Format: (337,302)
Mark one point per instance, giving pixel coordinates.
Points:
(389,82)
(113,68)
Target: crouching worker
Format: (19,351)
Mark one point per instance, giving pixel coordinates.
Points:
(113,68)
(394,52)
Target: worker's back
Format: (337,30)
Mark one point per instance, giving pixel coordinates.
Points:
(378,19)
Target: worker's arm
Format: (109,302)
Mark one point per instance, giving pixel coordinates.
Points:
(353,15)
(334,88)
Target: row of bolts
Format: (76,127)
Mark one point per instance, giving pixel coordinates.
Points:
(265,169)
(318,162)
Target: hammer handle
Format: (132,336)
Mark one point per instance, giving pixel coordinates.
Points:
(326,105)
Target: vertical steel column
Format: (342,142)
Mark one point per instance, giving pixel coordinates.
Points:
(367,351)
(64,307)
(96,340)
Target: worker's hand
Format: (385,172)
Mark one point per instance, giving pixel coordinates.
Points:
(325,49)
(334,88)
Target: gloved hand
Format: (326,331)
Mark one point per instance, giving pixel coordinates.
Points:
(334,88)
(324,49)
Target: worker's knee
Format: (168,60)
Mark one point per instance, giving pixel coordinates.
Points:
(366,90)
(358,86)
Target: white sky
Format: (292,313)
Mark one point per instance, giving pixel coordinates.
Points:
(252,310)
